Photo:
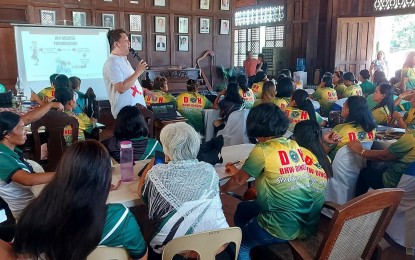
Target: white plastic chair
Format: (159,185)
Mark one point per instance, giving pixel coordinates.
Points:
(346,168)
(108,253)
(402,226)
(235,129)
(206,244)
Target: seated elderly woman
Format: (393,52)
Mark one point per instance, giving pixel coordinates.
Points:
(284,200)
(130,125)
(15,172)
(70,218)
(182,187)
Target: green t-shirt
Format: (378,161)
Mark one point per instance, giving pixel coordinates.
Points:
(159,97)
(352,90)
(191,106)
(410,74)
(121,230)
(409,118)
(283,186)
(348,132)
(318,183)
(367,87)
(404,150)
(381,115)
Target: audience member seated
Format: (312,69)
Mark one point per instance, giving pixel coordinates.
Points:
(246,93)
(190,105)
(408,73)
(402,105)
(48,94)
(401,154)
(232,101)
(351,88)
(371,104)
(130,125)
(67,98)
(409,117)
(258,82)
(75,84)
(70,218)
(286,73)
(160,94)
(285,89)
(326,95)
(384,112)
(182,187)
(15,173)
(358,124)
(309,137)
(338,84)
(284,200)
(367,86)
(269,91)
(301,108)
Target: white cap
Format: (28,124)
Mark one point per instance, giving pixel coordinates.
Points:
(126,144)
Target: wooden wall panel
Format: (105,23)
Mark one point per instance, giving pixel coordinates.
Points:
(28,11)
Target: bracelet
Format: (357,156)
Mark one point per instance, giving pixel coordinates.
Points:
(361,153)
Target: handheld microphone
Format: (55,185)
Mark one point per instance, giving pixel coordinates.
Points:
(135,54)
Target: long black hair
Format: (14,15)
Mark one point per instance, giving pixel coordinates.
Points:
(285,87)
(259,76)
(308,134)
(67,219)
(328,80)
(232,94)
(8,121)
(302,102)
(130,124)
(266,120)
(387,90)
(359,113)
(242,81)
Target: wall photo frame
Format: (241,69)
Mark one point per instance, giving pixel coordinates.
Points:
(159,24)
(204,26)
(183,43)
(183,25)
(161,43)
(159,2)
(224,26)
(108,20)
(48,17)
(136,42)
(79,19)
(204,4)
(225,5)
(135,23)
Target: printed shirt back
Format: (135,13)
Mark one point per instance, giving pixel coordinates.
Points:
(283,187)
(257,89)
(191,105)
(353,90)
(159,97)
(248,97)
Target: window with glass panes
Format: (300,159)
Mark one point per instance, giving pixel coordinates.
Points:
(246,40)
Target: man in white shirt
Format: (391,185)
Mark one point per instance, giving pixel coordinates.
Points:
(120,78)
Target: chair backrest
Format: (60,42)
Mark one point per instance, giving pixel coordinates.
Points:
(54,123)
(206,244)
(148,117)
(36,167)
(346,168)
(235,129)
(108,253)
(357,226)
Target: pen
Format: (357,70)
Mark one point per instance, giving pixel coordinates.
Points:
(235,162)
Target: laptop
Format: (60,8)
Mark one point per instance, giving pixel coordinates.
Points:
(164,111)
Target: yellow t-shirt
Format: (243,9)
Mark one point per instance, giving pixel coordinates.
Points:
(282,102)
(191,106)
(381,115)
(295,115)
(257,89)
(340,88)
(249,98)
(353,90)
(326,97)
(159,97)
(47,94)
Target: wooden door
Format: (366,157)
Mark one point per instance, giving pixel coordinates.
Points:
(354,45)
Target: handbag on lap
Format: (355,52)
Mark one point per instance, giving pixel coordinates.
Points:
(210,151)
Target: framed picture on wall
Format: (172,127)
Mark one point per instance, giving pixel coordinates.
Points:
(183,25)
(135,22)
(204,4)
(159,24)
(224,27)
(108,21)
(204,25)
(224,5)
(159,2)
(48,17)
(79,18)
(136,42)
(161,42)
(183,43)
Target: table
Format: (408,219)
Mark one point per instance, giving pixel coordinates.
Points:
(160,124)
(210,115)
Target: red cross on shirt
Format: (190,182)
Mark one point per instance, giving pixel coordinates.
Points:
(135,90)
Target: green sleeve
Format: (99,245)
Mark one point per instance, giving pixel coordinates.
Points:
(41,94)
(208,104)
(318,94)
(403,145)
(9,166)
(319,118)
(85,123)
(133,239)
(404,106)
(255,163)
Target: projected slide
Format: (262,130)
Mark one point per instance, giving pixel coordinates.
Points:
(63,54)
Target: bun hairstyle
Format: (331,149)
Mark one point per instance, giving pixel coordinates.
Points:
(192,85)
(349,76)
(365,74)
(8,121)
(159,83)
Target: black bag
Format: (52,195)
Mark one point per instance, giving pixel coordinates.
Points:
(210,152)
(6,99)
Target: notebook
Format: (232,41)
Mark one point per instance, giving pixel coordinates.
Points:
(164,111)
